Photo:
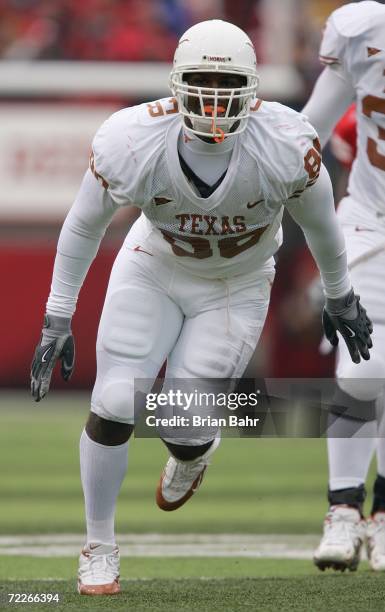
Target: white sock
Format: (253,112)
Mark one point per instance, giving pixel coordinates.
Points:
(102,471)
(349,458)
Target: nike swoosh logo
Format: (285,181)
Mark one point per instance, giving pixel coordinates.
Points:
(363,229)
(352,334)
(252,204)
(43,358)
(138,249)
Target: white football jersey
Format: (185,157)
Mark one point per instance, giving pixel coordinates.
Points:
(354,38)
(237,228)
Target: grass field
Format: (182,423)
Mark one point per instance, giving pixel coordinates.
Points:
(257,589)
(270,486)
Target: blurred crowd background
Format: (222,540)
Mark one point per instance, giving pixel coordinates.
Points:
(148,30)
(44,142)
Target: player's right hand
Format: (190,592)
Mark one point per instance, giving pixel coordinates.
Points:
(56,343)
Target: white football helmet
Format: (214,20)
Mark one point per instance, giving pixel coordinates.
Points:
(221,47)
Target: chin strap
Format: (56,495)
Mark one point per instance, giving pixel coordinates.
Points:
(217,130)
(218,133)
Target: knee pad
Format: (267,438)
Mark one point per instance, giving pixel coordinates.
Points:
(364,381)
(116,401)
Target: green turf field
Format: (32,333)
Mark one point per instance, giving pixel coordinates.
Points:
(252,486)
(270,486)
(215,585)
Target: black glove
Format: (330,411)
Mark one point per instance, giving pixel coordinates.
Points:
(56,343)
(347,316)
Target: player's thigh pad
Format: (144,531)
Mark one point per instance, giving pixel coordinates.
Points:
(366,259)
(368,280)
(138,328)
(365,380)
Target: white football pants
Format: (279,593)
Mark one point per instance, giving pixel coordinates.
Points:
(155,311)
(349,458)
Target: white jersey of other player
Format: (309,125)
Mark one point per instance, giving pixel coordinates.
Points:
(354,39)
(235,229)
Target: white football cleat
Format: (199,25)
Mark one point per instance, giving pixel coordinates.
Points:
(180,479)
(375,543)
(99,570)
(342,540)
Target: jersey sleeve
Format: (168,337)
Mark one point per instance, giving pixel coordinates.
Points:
(333,44)
(344,24)
(309,159)
(293,153)
(113,159)
(78,244)
(315,214)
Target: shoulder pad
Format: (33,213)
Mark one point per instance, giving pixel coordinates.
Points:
(286,145)
(124,146)
(347,22)
(355,18)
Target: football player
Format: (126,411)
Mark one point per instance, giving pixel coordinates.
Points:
(353,52)
(211,169)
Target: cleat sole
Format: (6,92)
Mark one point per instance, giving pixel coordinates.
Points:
(167,506)
(95,590)
(338,566)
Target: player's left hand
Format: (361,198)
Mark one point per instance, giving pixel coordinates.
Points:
(56,343)
(347,316)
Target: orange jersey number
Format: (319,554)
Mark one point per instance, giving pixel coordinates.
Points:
(156,109)
(372,104)
(312,162)
(201,249)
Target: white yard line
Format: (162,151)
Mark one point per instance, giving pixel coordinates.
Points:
(169,545)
